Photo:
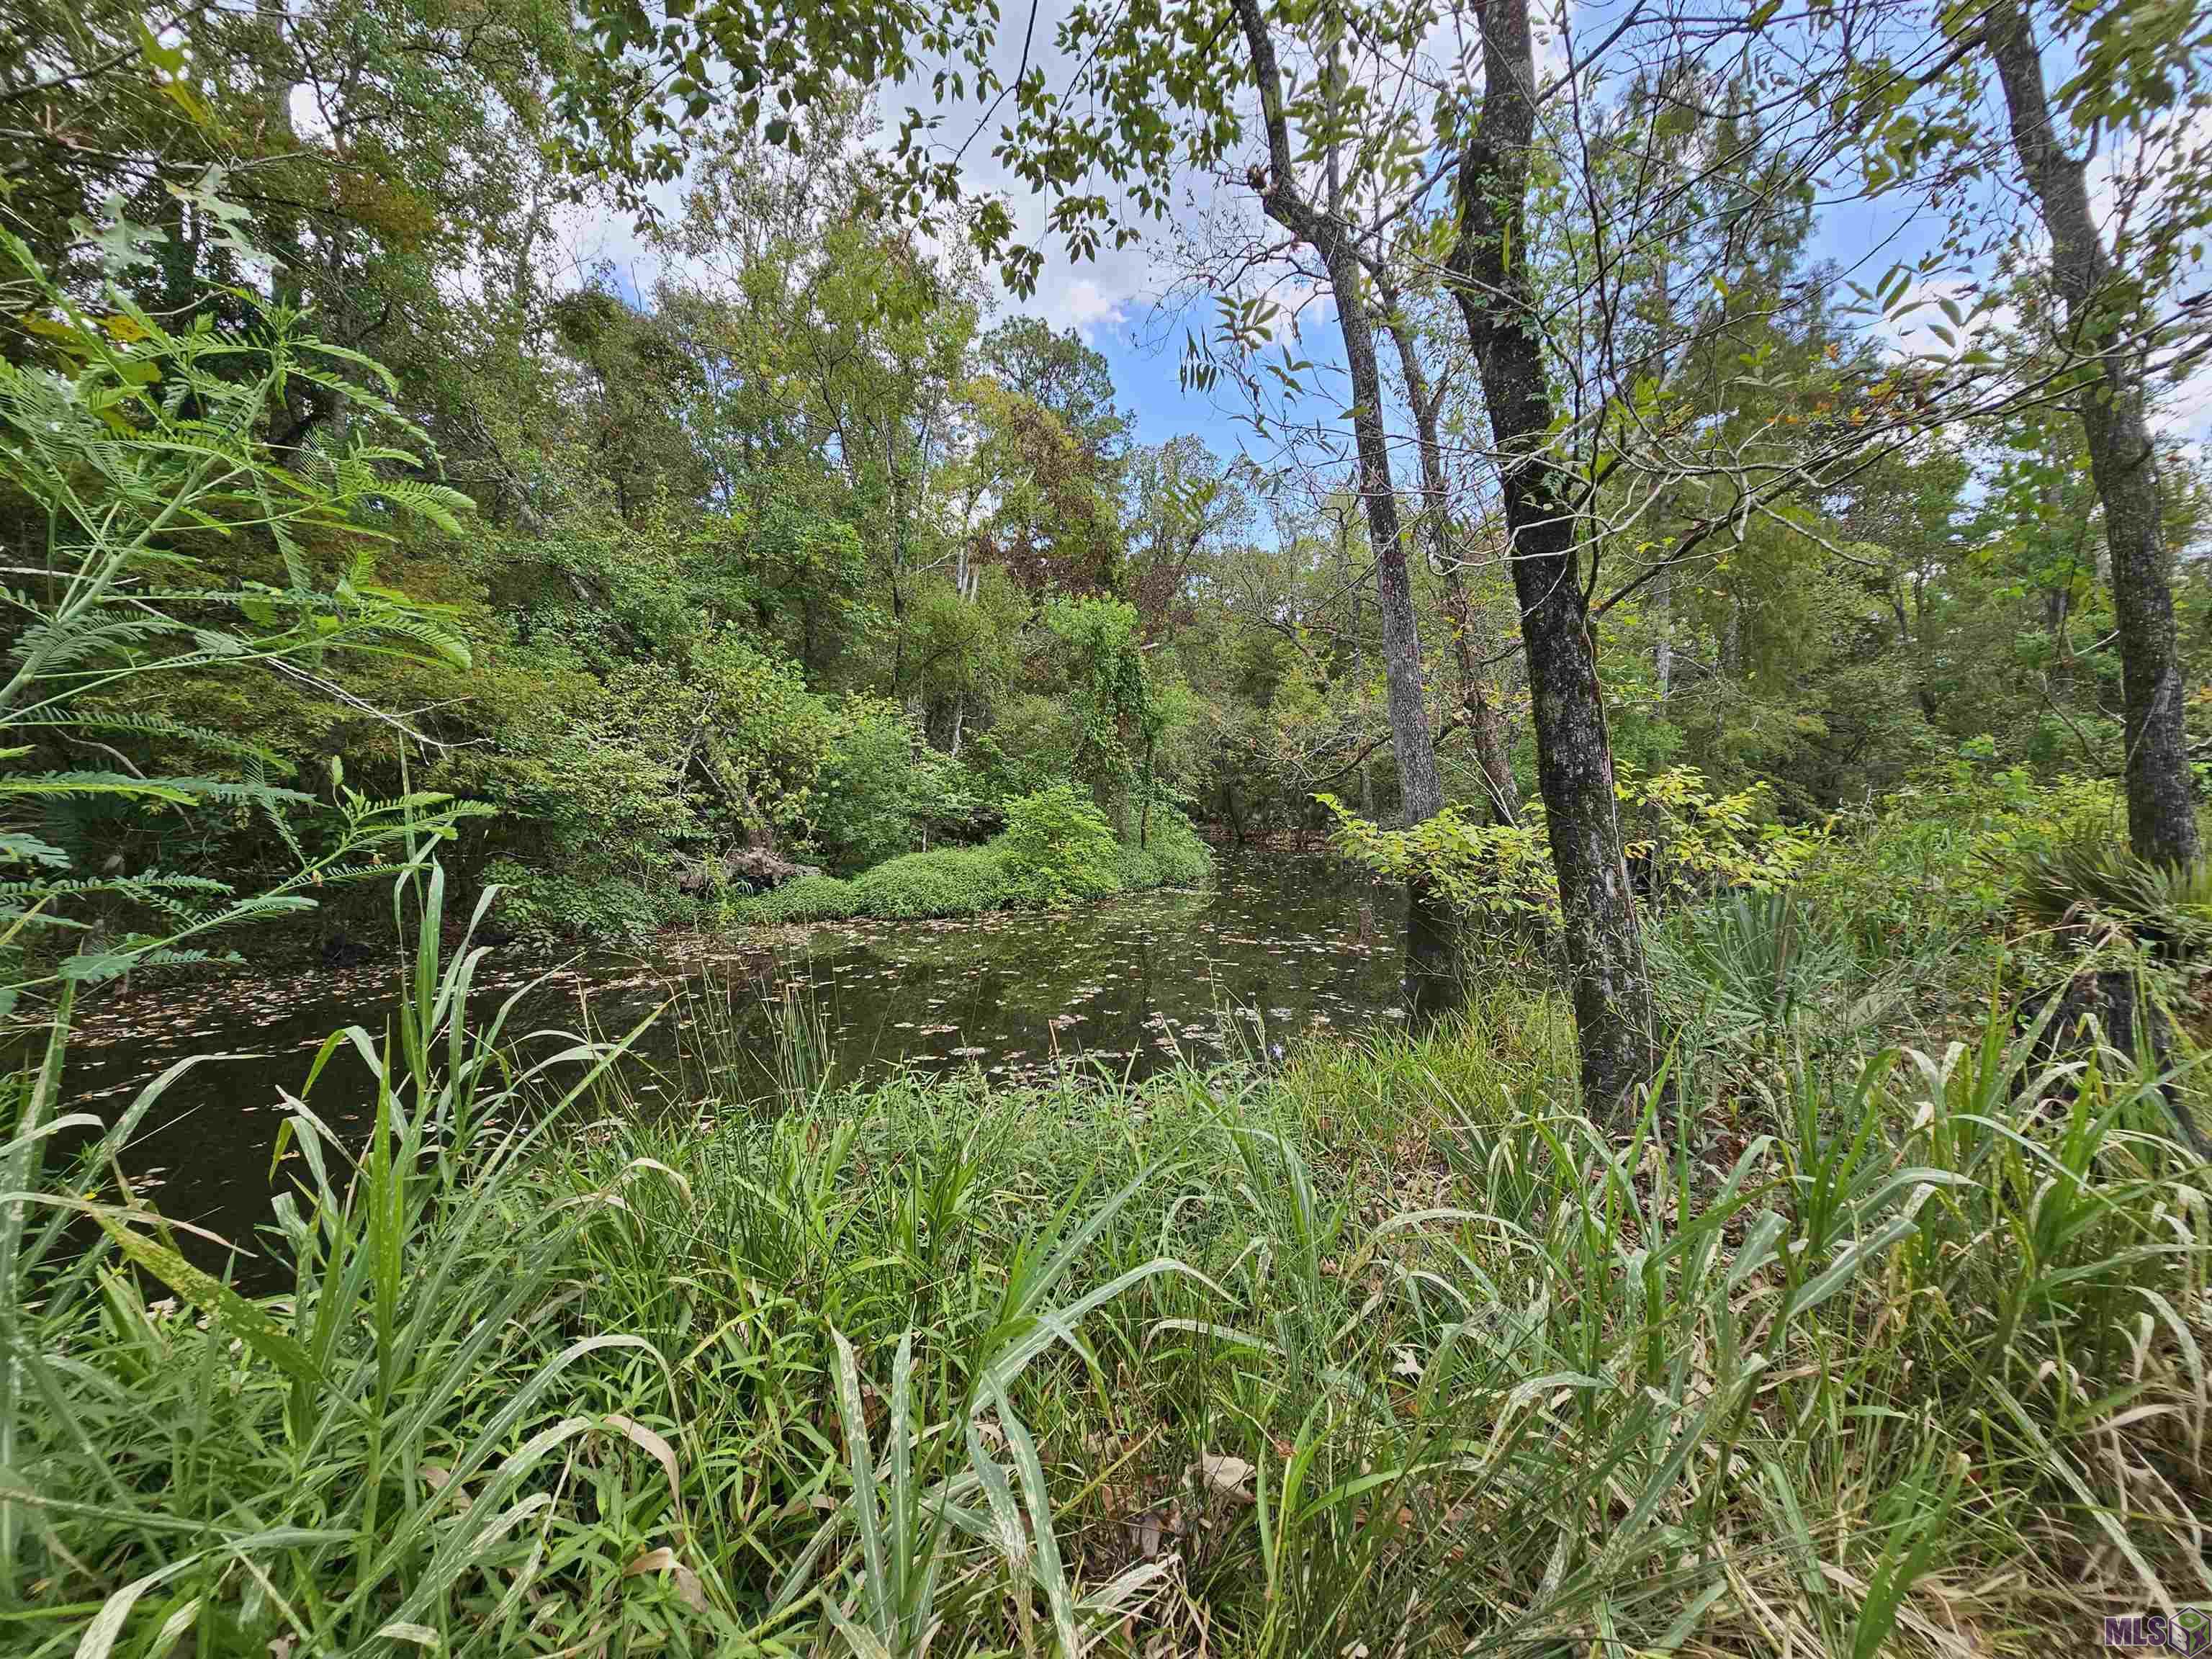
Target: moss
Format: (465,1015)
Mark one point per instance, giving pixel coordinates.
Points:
(810,898)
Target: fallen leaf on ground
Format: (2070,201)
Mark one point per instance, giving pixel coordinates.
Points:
(1228,1476)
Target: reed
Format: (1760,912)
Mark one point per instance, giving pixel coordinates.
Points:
(1386,1350)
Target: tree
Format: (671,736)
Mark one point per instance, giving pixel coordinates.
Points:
(2123,459)
(1182,503)
(1615,1020)
(1502,792)
(1057,372)
(1323,226)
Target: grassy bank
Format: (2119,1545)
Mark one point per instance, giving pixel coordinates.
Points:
(1390,1351)
(1056,850)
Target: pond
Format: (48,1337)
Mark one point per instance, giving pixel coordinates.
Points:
(1281,944)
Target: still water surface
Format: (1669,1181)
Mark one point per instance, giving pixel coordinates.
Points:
(1281,944)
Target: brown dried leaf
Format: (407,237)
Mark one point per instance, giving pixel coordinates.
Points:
(436,1476)
(654,1447)
(663,1560)
(1230,1477)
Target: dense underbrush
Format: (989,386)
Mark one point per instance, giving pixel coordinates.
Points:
(1056,849)
(1887,1349)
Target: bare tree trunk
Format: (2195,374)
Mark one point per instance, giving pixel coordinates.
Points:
(1433,929)
(1615,1018)
(1411,741)
(2161,802)
(1661,508)
(1487,721)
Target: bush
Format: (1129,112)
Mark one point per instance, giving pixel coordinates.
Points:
(1933,865)
(1751,970)
(1056,850)
(547,909)
(1057,847)
(810,898)
(954,881)
(2094,886)
(882,787)
(1172,855)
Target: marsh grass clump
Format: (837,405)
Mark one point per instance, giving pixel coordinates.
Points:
(1390,1346)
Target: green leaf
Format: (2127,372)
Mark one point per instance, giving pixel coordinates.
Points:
(244,1319)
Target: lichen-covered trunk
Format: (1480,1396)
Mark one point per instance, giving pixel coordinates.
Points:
(1486,720)
(1411,744)
(2161,799)
(1614,1021)
(1325,231)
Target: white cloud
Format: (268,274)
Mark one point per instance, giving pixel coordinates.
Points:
(1085,306)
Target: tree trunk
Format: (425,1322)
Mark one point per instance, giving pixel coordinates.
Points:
(1487,722)
(1411,741)
(2161,801)
(1615,1019)
(1359,677)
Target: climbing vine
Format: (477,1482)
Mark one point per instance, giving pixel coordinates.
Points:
(1118,715)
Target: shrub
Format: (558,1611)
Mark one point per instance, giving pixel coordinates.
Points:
(1934,864)
(1056,850)
(124,449)
(953,881)
(1750,970)
(1057,846)
(546,909)
(2094,886)
(1688,841)
(883,787)
(1172,855)
(810,898)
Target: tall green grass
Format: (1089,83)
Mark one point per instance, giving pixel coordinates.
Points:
(1392,1350)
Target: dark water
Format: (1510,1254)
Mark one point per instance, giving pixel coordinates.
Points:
(1280,944)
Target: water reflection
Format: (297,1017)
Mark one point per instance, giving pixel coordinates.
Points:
(1282,944)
